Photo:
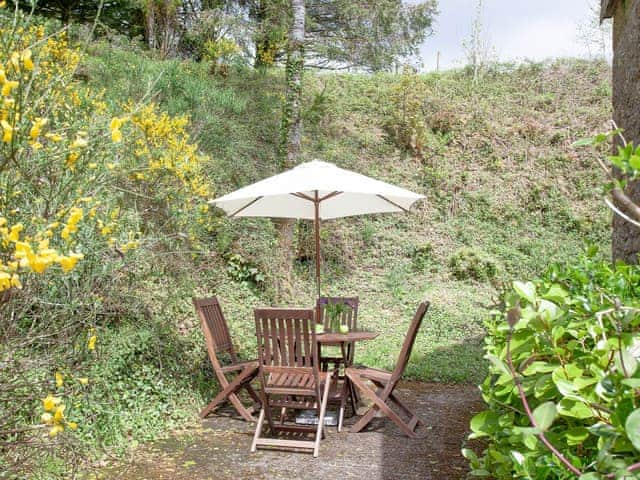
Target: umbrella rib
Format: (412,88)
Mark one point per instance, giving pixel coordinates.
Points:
(329,195)
(246,206)
(311,199)
(392,203)
(303,196)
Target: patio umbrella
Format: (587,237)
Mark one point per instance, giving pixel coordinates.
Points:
(316,191)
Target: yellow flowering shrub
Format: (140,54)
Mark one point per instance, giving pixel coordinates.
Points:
(82,186)
(40,131)
(68,165)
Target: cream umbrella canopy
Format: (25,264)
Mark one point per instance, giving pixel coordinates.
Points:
(316,191)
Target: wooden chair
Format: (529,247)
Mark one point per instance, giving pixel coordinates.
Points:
(216,334)
(386,382)
(289,376)
(341,389)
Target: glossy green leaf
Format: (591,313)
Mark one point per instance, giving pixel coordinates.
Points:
(590,476)
(518,457)
(625,362)
(544,415)
(631,382)
(577,435)
(539,367)
(632,426)
(556,294)
(526,290)
(549,310)
(572,408)
(484,423)
(500,365)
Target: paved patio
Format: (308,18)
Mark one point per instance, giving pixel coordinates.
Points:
(219,448)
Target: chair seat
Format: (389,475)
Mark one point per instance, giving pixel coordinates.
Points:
(234,367)
(370,373)
(305,381)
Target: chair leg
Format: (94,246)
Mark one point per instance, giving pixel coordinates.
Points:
(353,394)
(323,409)
(228,392)
(252,393)
(380,404)
(241,409)
(404,408)
(256,435)
(346,392)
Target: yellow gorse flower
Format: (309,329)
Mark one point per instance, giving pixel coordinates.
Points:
(115,126)
(26,60)
(71,160)
(91,344)
(7,131)
(75,215)
(50,402)
(8,87)
(38,123)
(59,379)
(58,415)
(69,262)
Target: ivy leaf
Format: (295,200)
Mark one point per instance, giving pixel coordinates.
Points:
(632,426)
(544,415)
(525,290)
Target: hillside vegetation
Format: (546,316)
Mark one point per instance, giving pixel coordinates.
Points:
(506,196)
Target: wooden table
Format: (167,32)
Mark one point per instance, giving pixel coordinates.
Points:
(342,338)
(346,342)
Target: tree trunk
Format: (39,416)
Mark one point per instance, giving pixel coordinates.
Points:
(293,97)
(625,239)
(292,133)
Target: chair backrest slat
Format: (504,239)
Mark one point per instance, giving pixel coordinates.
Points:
(214,325)
(348,317)
(409,340)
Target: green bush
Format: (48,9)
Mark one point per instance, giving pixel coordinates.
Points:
(471,263)
(564,347)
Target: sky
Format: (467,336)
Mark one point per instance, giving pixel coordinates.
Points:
(515,29)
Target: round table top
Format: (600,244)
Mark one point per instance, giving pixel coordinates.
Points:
(353,336)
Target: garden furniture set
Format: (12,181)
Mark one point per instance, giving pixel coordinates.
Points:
(305,363)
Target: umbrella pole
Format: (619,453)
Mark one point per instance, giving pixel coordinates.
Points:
(316,203)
